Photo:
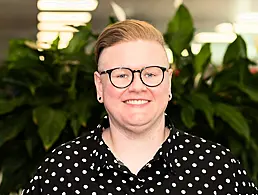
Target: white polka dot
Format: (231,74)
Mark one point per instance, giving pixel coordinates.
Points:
(151,190)
(213,178)
(194,165)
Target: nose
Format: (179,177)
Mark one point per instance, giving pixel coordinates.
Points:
(137,84)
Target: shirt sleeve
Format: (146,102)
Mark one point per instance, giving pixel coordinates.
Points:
(243,184)
(45,180)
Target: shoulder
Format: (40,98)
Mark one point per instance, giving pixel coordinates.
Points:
(66,164)
(78,149)
(205,151)
(212,162)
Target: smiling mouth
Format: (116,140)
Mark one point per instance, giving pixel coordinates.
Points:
(136,102)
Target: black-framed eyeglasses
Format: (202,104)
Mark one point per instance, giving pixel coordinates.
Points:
(122,77)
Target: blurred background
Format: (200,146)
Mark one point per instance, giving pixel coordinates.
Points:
(215,20)
(42,87)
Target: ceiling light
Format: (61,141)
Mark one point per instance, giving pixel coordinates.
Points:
(43,45)
(196,48)
(224,28)
(213,37)
(77,17)
(49,37)
(57,26)
(67,5)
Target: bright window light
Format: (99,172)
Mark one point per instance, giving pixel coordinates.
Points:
(247,17)
(67,5)
(247,28)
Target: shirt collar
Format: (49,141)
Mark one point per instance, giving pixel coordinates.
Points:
(105,158)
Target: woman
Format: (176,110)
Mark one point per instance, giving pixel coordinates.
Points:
(136,150)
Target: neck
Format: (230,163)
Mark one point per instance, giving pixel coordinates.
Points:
(135,149)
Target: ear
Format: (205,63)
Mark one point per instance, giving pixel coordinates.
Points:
(99,86)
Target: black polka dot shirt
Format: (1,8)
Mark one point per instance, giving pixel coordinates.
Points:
(184,164)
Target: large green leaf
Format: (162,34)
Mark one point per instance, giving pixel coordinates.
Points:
(225,79)
(235,51)
(79,40)
(75,124)
(51,122)
(251,92)
(81,108)
(6,106)
(12,168)
(234,118)
(18,49)
(202,102)
(180,31)
(187,116)
(202,59)
(12,125)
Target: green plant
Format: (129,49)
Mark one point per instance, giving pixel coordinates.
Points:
(217,103)
(47,97)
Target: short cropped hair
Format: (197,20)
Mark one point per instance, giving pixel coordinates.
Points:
(124,31)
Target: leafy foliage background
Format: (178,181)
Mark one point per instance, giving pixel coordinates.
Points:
(47,97)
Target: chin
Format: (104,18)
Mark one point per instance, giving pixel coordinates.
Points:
(138,119)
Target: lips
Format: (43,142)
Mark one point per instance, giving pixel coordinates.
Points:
(136,102)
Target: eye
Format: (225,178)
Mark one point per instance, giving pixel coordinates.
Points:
(122,76)
(149,75)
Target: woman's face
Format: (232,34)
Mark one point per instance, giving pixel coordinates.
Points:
(136,105)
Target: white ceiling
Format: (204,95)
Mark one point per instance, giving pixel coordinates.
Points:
(18,18)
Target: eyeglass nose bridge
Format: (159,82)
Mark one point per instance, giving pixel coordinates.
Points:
(140,72)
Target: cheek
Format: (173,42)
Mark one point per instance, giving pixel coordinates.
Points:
(162,92)
(111,93)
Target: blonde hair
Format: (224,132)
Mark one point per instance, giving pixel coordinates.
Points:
(124,31)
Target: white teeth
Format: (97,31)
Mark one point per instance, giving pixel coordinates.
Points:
(136,101)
